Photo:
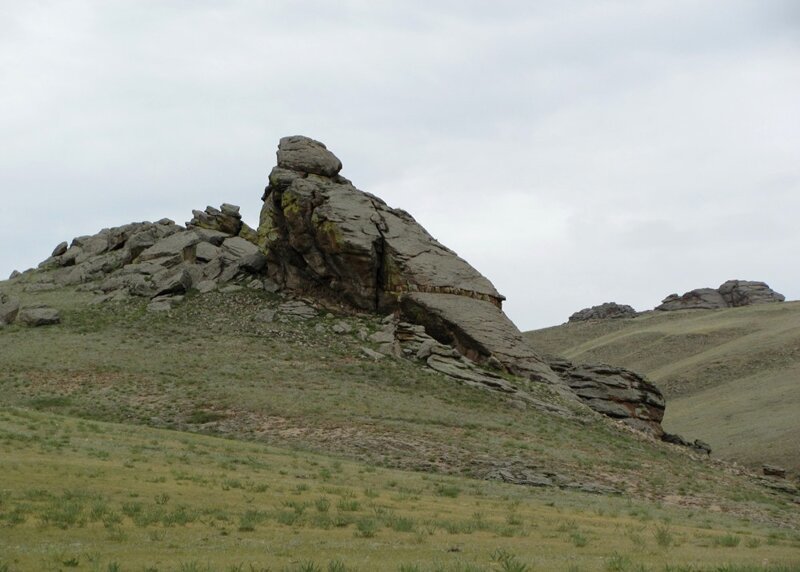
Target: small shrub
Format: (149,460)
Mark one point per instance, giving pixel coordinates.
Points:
(663,536)
(445,490)
(347,505)
(578,539)
(617,563)
(366,528)
(727,541)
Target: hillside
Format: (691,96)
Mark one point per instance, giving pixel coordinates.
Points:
(731,376)
(86,495)
(261,362)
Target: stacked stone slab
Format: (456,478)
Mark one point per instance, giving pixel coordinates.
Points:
(160,260)
(730,294)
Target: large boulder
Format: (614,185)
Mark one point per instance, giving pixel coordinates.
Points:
(606,311)
(38,316)
(302,154)
(323,236)
(9,308)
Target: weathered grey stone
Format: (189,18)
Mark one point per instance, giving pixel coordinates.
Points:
(206,252)
(606,311)
(699,299)
(236,248)
(9,308)
(14,274)
(171,282)
(297,309)
(372,354)
(60,249)
(302,154)
(730,294)
(141,241)
(746,292)
(214,237)
(227,220)
(205,286)
(774,471)
(253,263)
(164,303)
(35,316)
(342,328)
(174,246)
(267,315)
(231,288)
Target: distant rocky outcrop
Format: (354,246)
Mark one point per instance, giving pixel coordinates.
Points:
(606,311)
(730,294)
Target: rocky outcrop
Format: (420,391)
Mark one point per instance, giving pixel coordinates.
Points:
(616,392)
(606,311)
(324,237)
(730,294)
(319,236)
(162,261)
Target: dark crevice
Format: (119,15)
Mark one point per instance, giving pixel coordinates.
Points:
(380,253)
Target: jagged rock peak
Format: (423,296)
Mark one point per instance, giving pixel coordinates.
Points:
(605,311)
(299,153)
(730,294)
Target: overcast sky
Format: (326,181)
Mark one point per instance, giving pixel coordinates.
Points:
(574,152)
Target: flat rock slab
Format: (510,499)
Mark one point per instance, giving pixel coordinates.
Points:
(35,316)
(478,329)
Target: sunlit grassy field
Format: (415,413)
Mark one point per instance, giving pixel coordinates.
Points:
(731,376)
(85,495)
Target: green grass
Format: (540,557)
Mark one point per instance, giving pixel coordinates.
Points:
(720,370)
(172,511)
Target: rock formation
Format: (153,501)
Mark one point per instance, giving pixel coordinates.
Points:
(321,237)
(616,392)
(606,311)
(160,260)
(324,237)
(730,294)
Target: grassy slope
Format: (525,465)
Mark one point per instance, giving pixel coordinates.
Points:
(212,366)
(88,495)
(732,377)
